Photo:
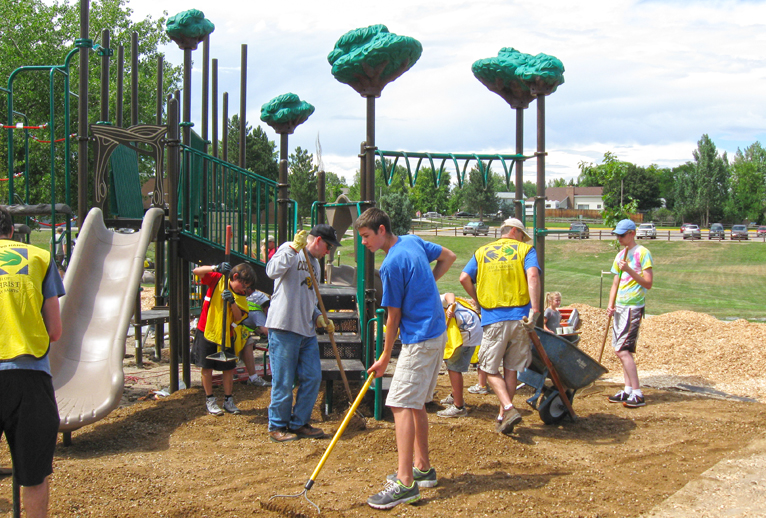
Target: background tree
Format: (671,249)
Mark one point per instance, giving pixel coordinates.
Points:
(425,196)
(303,180)
(261,154)
(711,179)
(748,185)
(334,186)
(666,183)
(399,210)
(480,199)
(42,32)
(399,181)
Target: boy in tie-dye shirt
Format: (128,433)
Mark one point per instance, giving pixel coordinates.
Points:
(633,276)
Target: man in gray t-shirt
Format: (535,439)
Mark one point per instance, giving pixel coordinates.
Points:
(292,321)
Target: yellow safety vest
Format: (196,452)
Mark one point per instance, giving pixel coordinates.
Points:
(214,322)
(501,281)
(22,271)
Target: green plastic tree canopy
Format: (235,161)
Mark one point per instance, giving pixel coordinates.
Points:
(286,112)
(188,28)
(519,78)
(368,59)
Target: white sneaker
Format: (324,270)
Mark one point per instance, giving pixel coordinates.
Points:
(453,411)
(230,407)
(258,381)
(212,406)
(449,400)
(478,389)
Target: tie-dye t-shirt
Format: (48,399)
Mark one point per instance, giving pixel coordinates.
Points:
(631,293)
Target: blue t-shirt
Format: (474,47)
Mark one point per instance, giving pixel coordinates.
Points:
(491,316)
(51,287)
(409,284)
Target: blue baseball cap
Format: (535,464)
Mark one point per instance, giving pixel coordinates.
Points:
(623,227)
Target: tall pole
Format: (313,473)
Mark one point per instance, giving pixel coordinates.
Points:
(174,304)
(205,86)
(82,119)
(225,128)
(134,78)
(160,88)
(540,198)
(120,84)
(214,106)
(369,198)
(518,209)
(105,77)
(242,106)
(187,95)
(283,195)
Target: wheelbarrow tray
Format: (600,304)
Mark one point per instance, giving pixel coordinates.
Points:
(575,368)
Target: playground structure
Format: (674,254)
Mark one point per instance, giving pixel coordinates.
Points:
(206,193)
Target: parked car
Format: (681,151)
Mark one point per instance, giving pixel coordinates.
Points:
(432,215)
(739,232)
(761,231)
(476,228)
(646,230)
(716,231)
(464,214)
(683,227)
(692,232)
(582,231)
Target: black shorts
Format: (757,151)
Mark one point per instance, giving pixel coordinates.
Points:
(203,348)
(29,417)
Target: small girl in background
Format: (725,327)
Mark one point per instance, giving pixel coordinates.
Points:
(552,314)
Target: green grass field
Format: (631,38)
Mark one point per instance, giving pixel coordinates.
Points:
(726,280)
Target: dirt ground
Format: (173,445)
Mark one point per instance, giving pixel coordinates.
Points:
(168,458)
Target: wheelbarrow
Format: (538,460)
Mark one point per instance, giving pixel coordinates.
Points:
(573,368)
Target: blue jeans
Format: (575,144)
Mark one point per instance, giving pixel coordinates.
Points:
(294,358)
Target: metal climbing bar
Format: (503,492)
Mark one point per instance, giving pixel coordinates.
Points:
(467,158)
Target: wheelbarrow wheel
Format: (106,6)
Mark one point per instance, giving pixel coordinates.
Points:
(552,410)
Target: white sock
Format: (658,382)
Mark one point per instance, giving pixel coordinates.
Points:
(508,407)
(628,390)
(638,393)
(254,377)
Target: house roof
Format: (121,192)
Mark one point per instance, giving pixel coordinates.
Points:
(561,193)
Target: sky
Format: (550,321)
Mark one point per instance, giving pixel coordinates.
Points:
(643,79)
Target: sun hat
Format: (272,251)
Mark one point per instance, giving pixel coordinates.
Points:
(623,227)
(513,222)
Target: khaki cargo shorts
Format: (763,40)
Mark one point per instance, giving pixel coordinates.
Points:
(505,343)
(417,369)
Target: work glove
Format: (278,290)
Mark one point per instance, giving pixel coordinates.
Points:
(299,242)
(530,321)
(227,296)
(223,268)
(327,324)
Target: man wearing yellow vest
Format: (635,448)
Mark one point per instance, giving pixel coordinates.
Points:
(503,277)
(30,287)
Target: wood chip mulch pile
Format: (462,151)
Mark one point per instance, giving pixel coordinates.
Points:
(695,346)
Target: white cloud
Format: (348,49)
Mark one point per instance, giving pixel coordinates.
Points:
(644,79)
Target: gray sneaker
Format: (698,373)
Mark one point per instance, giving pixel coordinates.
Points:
(230,407)
(453,411)
(449,400)
(393,494)
(258,381)
(511,418)
(212,406)
(422,478)
(478,389)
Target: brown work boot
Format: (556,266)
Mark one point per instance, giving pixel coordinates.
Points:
(309,432)
(511,418)
(282,435)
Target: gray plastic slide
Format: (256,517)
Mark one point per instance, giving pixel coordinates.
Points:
(101,285)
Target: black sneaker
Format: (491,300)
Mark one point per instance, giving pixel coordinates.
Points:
(634,401)
(393,494)
(422,478)
(620,397)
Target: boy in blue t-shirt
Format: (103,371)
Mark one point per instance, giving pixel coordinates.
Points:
(415,312)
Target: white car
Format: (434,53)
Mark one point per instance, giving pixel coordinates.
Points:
(646,230)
